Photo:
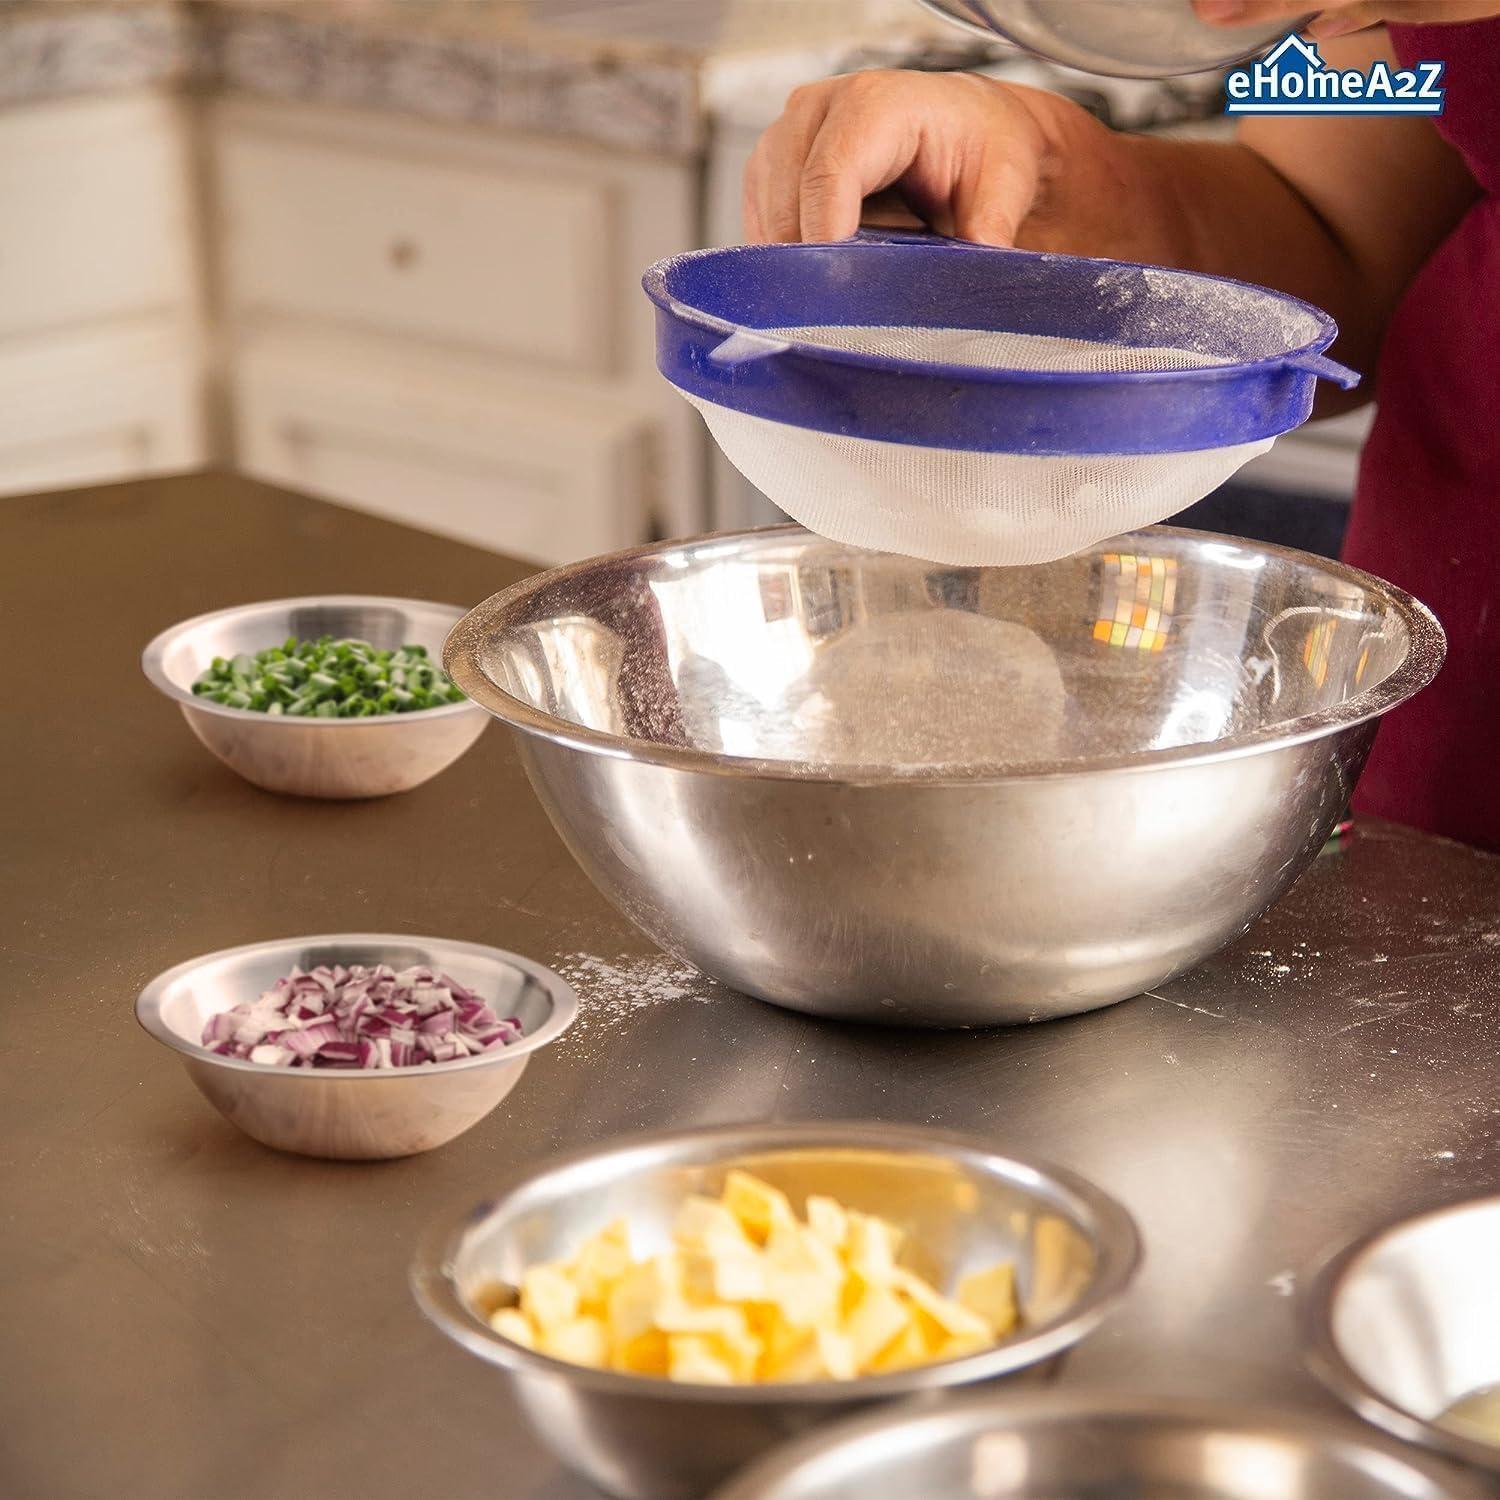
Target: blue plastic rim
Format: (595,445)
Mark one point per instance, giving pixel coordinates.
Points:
(710,304)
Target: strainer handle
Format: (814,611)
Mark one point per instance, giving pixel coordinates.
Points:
(1325,369)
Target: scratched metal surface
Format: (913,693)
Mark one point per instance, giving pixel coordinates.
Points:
(184,1314)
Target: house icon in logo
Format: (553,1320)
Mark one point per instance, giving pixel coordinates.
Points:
(1293,79)
(1293,55)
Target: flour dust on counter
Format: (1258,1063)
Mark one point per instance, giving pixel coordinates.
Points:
(611,992)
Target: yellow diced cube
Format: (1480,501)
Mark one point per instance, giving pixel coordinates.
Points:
(877,1317)
(827,1219)
(548,1297)
(646,1354)
(581,1341)
(991,1294)
(632,1302)
(600,1262)
(908,1348)
(951,1320)
(513,1324)
(676,1314)
(810,1354)
(871,1248)
(757,1205)
(836,1351)
(692,1357)
(735,1276)
(704,1224)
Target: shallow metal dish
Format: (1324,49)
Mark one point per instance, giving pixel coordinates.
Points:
(963,1206)
(877,788)
(316,757)
(1116,38)
(1069,1445)
(1406,1321)
(354,1114)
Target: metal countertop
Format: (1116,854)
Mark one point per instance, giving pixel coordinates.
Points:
(185,1315)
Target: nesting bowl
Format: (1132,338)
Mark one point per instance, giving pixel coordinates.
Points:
(1077,1443)
(312,757)
(355,1114)
(963,1207)
(875,788)
(1405,1323)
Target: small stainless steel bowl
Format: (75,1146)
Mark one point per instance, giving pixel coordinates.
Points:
(1141,39)
(1074,1443)
(962,1205)
(882,789)
(1406,1322)
(316,757)
(364,1114)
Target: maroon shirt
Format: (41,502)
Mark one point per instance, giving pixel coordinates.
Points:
(1427,511)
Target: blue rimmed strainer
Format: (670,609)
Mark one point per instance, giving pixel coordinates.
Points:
(976,406)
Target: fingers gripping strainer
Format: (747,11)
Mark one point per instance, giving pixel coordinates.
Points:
(975,406)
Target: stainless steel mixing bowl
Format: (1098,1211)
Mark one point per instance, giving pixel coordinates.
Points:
(1116,38)
(962,1205)
(354,1115)
(1075,1444)
(1406,1322)
(877,788)
(316,757)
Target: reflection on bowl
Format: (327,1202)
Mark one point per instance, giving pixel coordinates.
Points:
(354,1113)
(963,1207)
(1078,1444)
(312,757)
(872,787)
(1405,1326)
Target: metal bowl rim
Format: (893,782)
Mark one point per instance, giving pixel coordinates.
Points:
(153,655)
(1041,1408)
(1326,1360)
(1119,1249)
(560,994)
(998,32)
(1426,648)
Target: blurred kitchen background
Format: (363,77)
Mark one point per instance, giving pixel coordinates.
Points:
(388,251)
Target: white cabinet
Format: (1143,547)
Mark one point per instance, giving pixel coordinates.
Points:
(101,370)
(446,326)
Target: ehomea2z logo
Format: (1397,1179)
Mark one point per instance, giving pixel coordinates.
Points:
(1292,79)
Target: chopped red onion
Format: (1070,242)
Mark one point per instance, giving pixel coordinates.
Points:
(360,1017)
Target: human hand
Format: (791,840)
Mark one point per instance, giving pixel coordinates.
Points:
(968,155)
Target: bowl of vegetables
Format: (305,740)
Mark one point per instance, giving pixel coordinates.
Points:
(321,697)
(667,1308)
(356,1046)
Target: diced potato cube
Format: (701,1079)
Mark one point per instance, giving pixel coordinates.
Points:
(828,1221)
(548,1297)
(877,1317)
(600,1262)
(737,1276)
(952,1320)
(678,1315)
(704,1224)
(632,1302)
(871,1248)
(991,1294)
(582,1341)
(811,1354)
(757,1205)
(692,1357)
(646,1354)
(513,1324)
(908,1348)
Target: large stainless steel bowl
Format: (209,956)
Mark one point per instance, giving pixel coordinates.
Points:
(1405,1323)
(1077,1444)
(310,757)
(871,787)
(354,1115)
(1117,38)
(962,1205)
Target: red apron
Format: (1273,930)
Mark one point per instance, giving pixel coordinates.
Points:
(1427,511)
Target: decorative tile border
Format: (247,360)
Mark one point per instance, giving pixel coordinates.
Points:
(51,50)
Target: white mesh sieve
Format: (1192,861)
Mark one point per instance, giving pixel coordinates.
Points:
(956,506)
